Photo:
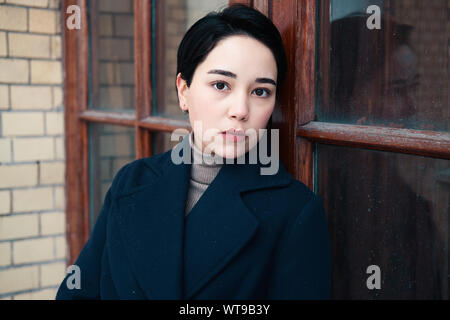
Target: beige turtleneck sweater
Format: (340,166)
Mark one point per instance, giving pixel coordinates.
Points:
(202,174)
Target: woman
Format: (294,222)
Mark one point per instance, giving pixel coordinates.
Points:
(212,229)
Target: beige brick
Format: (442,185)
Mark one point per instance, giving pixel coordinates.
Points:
(30,3)
(18,279)
(46,72)
(13,70)
(29,45)
(52,172)
(52,273)
(3,48)
(22,123)
(31,97)
(60,198)
(114,6)
(57,97)
(56,47)
(33,250)
(19,226)
(43,21)
(5,254)
(5,150)
(32,199)
(18,175)
(53,223)
(4,97)
(54,122)
(14,19)
(5,202)
(54,4)
(59,149)
(44,294)
(31,149)
(61,247)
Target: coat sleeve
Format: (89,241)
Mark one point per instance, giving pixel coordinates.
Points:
(303,266)
(89,259)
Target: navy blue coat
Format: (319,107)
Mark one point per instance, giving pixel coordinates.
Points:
(250,236)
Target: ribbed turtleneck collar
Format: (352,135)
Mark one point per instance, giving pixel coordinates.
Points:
(203,169)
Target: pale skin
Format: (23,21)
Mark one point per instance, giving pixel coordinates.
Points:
(234,87)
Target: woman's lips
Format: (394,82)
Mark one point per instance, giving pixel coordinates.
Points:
(233,137)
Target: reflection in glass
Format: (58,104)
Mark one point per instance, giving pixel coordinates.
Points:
(110,148)
(396,76)
(389,210)
(161,142)
(172,19)
(111,51)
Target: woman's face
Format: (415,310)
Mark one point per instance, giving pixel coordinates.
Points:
(233,88)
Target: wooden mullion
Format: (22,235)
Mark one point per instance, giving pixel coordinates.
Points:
(296,21)
(263,6)
(162,124)
(247,2)
(143,73)
(75,43)
(107,117)
(418,142)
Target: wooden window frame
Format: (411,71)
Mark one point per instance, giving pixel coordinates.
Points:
(294,115)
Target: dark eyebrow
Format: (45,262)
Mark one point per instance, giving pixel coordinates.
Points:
(234,76)
(223,72)
(266,80)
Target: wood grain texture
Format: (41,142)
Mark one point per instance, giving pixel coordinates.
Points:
(419,142)
(143,73)
(75,62)
(296,22)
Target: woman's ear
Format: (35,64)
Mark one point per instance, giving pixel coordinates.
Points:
(182,90)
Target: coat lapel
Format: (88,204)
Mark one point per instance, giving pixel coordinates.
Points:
(164,246)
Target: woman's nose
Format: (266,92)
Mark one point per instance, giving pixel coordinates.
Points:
(239,108)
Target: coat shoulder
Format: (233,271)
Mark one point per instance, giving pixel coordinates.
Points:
(297,194)
(138,173)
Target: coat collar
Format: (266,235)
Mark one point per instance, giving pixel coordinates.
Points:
(157,235)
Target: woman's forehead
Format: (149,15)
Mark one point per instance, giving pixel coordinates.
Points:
(242,56)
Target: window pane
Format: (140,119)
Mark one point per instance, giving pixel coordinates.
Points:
(111,52)
(389,210)
(395,76)
(110,148)
(173,18)
(161,142)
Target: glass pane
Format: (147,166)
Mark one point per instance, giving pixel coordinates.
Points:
(394,76)
(161,142)
(111,51)
(390,210)
(110,148)
(173,18)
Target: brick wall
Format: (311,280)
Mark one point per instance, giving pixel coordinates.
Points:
(32,220)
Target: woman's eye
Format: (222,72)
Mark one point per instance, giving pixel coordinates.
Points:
(261,92)
(220,86)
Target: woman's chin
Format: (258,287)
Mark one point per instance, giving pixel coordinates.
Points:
(230,151)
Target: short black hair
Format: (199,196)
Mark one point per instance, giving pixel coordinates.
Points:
(237,19)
